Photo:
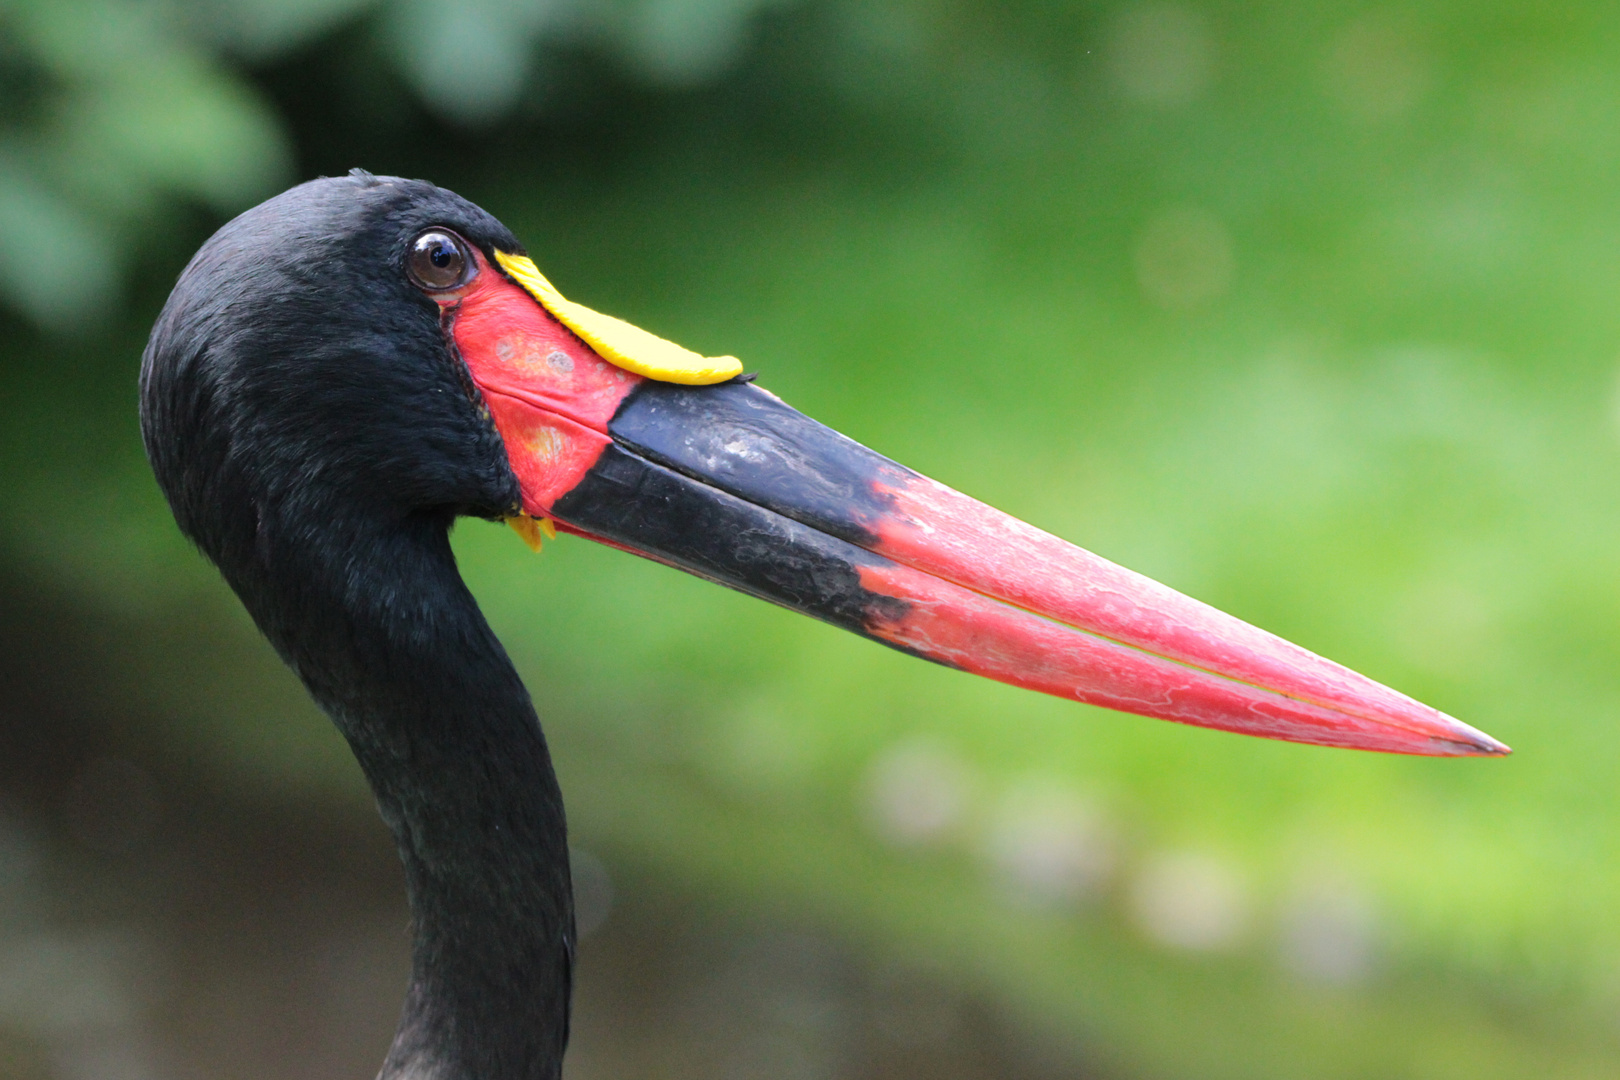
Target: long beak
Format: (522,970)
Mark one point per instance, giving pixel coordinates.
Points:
(728,482)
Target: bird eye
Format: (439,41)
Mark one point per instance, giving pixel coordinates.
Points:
(439,260)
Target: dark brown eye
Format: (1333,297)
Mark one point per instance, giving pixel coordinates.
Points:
(439,260)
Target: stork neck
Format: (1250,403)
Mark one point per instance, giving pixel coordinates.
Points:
(393,646)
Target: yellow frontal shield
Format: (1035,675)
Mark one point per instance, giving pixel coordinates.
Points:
(616,341)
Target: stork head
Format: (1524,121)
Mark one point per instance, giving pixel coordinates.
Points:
(298,370)
(375,350)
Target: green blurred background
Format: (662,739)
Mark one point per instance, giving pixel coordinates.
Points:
(1306,309)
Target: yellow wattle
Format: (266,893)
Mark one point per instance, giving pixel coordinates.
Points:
(616,341)
(532,529)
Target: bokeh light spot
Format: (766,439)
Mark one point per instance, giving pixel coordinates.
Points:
(1190,900)
(1329,933)
(1184,259)
(1049,845)
(593,892)
(1375,69)
(918,792)
(1160,54)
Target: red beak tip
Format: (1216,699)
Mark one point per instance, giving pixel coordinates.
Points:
(1471,742)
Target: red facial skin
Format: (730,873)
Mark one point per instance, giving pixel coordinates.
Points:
(550,395)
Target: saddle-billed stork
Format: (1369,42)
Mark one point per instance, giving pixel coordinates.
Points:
(345,369)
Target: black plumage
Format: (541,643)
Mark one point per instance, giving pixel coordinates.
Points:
(316,436)
(344,370)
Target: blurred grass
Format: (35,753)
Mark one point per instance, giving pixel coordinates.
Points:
(1324,335)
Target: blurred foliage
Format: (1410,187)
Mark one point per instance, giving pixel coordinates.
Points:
(106,111)
(1305,309)
(108,107)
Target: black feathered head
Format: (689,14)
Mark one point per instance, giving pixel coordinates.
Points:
(298,375)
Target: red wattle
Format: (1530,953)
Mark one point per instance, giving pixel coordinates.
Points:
(548,393)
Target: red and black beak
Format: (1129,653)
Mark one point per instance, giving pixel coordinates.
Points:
(727,482)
